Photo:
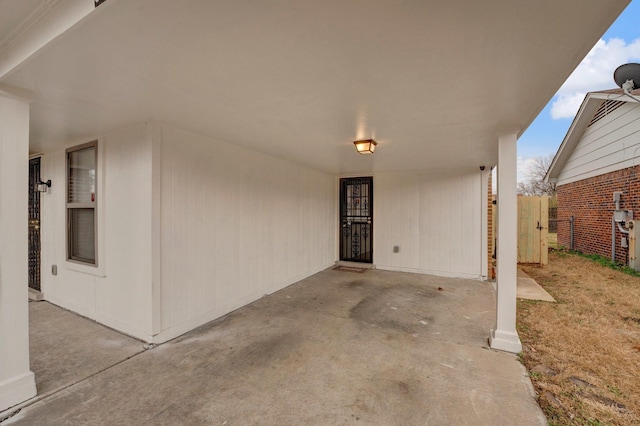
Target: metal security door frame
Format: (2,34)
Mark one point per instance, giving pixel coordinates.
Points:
(356,221)
(34,224)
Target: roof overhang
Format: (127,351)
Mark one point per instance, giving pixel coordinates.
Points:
(434,83)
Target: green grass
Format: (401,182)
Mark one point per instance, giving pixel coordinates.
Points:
(614,390)
(606,262)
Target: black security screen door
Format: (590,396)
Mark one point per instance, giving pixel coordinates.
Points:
(34,224)
(356,219)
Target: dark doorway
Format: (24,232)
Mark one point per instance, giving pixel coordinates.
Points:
(356,219)
(34,224)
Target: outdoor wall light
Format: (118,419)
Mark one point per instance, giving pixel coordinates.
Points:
(43,186)
(366,146)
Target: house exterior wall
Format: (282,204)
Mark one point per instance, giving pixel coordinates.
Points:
(604,160)
(436,218)
(612,143)
(191,228)
(235,225)
(590,201)
(118,291)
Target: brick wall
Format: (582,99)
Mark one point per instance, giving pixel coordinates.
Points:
(590,201)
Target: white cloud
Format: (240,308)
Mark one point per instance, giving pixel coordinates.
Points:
(525,166)
(524,169)
(566,106)
(595,72)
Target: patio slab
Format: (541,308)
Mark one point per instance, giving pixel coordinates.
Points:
(336,348)
(66,347)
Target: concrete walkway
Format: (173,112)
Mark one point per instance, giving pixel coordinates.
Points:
(337,348)
(529,289)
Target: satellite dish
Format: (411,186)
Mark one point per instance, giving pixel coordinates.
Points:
(627,72)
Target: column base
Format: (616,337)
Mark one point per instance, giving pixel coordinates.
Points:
(505,341)
(17,389)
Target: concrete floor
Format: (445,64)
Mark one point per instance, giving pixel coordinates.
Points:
(337,348)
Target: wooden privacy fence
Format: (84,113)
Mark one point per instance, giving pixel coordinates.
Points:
(533,228)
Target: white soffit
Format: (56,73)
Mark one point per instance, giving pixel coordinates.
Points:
(26,26)
(433,82)
(14,14)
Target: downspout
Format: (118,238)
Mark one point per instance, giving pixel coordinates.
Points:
(613,240)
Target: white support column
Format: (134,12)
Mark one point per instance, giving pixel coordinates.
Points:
(504,335)
(17,382)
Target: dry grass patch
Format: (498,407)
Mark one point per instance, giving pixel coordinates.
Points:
(583,352)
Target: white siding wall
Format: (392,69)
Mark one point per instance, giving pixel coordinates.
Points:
(612,143)
(435,219)
(118,292)
(193,228)
(235,225)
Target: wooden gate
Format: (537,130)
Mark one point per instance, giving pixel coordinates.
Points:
(533,228)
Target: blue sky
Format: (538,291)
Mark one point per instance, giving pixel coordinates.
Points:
(619,45)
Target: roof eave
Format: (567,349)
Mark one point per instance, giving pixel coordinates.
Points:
(587,109)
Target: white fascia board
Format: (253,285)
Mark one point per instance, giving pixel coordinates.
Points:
(42,26)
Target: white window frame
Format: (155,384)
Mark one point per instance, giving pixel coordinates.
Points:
(97,268)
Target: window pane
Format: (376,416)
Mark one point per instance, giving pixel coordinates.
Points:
(82,175)
(82,236)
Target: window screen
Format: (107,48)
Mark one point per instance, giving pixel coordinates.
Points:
(81,203)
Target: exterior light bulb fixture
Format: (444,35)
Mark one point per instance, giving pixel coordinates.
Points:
(366,146)
(42,186)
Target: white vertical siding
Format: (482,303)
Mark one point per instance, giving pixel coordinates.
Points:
(195,228)
(235,225)
(435,219)
(118,292)
(610,144)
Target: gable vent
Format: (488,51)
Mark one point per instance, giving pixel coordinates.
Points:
(606,108)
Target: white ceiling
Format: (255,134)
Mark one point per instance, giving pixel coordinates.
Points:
(433,82)
(15,12)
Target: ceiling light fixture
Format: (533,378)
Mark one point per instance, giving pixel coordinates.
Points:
(366,146)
